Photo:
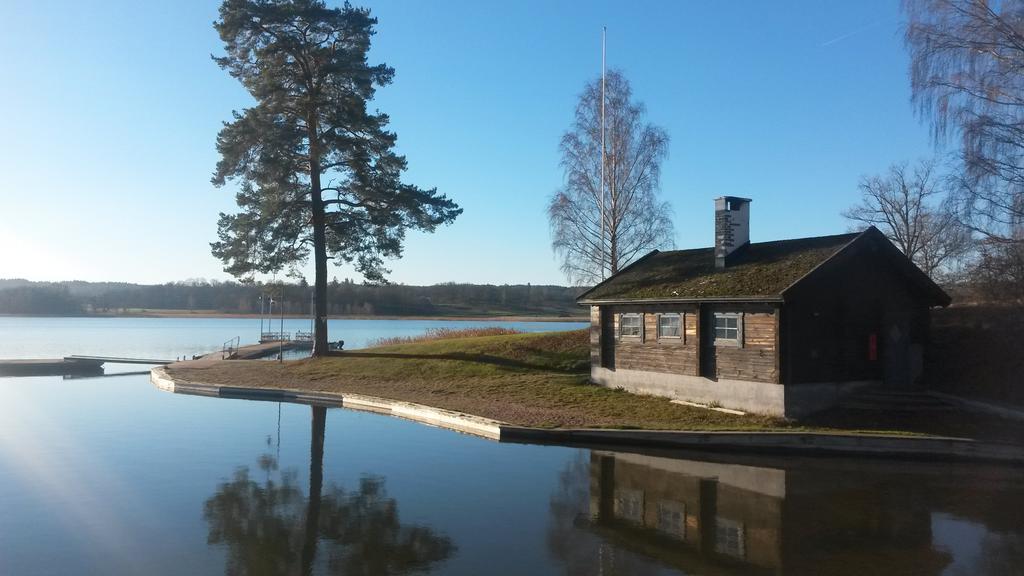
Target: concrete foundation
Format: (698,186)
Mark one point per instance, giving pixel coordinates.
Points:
(757,397)
(804,399)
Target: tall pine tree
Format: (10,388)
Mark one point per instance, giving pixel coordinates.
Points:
(314,167)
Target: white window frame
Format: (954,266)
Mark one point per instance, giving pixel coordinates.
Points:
(730,538)
(682,326)
(671,519)
(728,342)
(629,505)
(639,335)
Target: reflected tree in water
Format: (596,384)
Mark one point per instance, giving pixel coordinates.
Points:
(273,527)
(261,523)
(366,536)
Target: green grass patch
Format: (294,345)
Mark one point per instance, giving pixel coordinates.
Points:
(537,379)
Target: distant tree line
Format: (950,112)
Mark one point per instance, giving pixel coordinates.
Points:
(38,299)
(344,298)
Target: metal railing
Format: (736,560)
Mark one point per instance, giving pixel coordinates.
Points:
(229,348)
(275,336)
(301,336)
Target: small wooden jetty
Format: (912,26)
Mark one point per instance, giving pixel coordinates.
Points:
(267,348)
(68,365)
(300,340)
(114,360)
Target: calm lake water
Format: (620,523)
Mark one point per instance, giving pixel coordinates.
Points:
(111,476)
(168,338)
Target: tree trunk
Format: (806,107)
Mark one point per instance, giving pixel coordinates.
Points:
(320,346)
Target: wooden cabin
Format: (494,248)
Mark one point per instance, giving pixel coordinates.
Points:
(783,328)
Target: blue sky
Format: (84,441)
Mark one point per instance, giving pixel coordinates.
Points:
(110,111)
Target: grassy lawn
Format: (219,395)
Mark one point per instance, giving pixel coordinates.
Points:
(525,379)
(536,380)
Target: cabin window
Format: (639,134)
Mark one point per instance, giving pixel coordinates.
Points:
(728,329)
(670,326)
(672,519)
(629,505)
(631,325)
(729,538)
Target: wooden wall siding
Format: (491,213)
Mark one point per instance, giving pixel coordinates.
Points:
(595,335)
(759,330)
(690,328)
(756,359)
(669,355)
(830,317)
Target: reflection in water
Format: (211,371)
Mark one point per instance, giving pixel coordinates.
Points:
(101,374)
(636,514)
(111,479)
(1001,554)
(584,551)
(274,528)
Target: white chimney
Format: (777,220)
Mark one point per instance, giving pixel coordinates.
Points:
(732,227)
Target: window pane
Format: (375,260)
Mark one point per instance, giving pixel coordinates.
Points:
(630,325)
(668,326)
(727,326)
(729,537)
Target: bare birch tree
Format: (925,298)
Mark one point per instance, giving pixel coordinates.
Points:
(910,206)
(635,219)
(967,76)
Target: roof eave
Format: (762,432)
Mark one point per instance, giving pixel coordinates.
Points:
(774,299)
(939,296)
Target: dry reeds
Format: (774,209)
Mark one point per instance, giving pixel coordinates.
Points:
(444,334)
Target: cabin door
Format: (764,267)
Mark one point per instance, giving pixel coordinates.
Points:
(607,339)
(708,353)
(896,357)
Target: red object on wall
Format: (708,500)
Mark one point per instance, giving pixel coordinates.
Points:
(873,347)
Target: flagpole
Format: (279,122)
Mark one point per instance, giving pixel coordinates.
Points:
(604,33)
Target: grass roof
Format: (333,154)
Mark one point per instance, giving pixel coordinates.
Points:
(759,270)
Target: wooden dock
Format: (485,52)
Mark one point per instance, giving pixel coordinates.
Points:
(68,365)
(114,360)
(265,349)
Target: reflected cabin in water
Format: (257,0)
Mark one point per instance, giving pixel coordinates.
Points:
(783,328)
(845,517)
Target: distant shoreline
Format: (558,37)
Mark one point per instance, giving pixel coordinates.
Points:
(211,314)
